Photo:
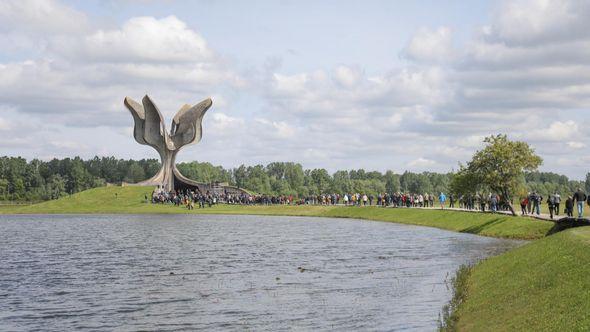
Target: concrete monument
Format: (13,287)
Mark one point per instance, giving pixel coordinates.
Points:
(186,129)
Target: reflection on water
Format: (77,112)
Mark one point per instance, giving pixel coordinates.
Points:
(226,273)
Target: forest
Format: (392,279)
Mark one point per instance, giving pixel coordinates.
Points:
(37,180)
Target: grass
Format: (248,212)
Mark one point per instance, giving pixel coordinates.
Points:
(448,319)
(542,286)
(131,200)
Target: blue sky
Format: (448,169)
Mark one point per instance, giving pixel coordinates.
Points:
(400,85)
(307,34)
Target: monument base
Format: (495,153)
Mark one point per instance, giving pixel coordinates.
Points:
(181,183)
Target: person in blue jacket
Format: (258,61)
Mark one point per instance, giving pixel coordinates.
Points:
(442,199)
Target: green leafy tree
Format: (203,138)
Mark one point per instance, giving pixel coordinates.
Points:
(4,189)
(501,164)
(321,179)
(135,173)
(56,186)
(392,183)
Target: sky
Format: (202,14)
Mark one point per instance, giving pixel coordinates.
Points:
(379,85)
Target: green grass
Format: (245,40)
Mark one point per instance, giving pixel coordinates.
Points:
(131,200)
(542,286)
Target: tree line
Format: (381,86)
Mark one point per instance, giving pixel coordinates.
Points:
(22,180)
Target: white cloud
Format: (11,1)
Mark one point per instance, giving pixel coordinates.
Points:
(347,76)
(4,125)
(431,45)
(421,163)
(576,145)
(224,123)
(40,17)
(529,22)
(557,131)
(68,145)
(280,129)
(140,39)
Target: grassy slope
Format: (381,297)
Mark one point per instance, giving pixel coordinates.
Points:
(542,286)
(130,200)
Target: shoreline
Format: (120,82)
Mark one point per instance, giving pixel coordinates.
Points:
(546,273)
(130,200)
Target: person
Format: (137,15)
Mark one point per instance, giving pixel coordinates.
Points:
(523,204)
(482,202)
(551,205)
(442,198)
(451,201)
(580,199)
(557,200)
(530,202)
(536,200)
(493,202)
(569,206)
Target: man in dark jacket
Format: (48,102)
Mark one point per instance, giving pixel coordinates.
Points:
(551,205)
(580,199)
(536,201)
(569,206)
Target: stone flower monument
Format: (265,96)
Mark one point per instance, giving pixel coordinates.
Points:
(186,129)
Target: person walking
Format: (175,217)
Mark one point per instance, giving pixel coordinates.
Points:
(442,198)
(530,202)
(536,200)
(557,201)
(569,206)
(494,202)
(523,204)
(580,199)
(551,205)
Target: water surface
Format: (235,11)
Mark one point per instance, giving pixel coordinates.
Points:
(190,272)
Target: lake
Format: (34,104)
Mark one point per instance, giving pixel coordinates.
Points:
(191,272)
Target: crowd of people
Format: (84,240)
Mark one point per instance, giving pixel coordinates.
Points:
(190,198)
(529,204)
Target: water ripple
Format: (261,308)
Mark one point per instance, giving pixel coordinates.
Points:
(186,273)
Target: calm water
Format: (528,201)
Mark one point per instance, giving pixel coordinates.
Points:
(131,273)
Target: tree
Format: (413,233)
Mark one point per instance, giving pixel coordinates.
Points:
(56,186)
(464,182)
(4,189)
(135,173)
(321,179)
(294,175)
(341,182)
(392,183)
(500,166)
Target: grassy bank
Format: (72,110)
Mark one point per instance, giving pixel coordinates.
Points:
(131,200)
(542,286)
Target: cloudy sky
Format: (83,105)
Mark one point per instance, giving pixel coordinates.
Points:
(400,85)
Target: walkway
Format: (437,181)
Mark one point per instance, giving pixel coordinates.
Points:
(542,216)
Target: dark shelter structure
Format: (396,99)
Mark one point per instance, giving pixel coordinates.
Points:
(186,129)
